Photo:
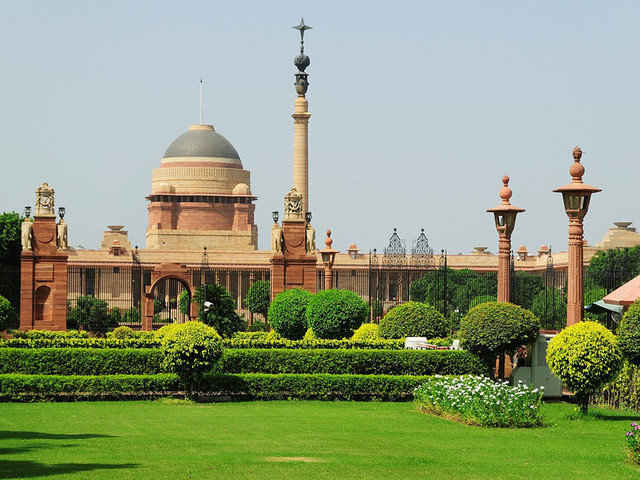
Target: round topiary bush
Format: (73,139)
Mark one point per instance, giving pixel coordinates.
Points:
(413,319)
(629,334)
(190,349)
(287,313)
(495,328)
(336,313)
(584,356)
(367,332)
(122,333)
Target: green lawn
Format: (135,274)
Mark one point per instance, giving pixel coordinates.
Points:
(280,440)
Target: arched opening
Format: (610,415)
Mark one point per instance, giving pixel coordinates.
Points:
(42,304)
(171,302)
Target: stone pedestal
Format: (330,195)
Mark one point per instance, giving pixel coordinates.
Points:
(43,279)
(293,268)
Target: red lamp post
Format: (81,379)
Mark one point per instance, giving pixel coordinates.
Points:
(505,220)
(328,257)
(576,197)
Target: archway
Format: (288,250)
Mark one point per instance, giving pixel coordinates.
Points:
(162,298)
(42,304)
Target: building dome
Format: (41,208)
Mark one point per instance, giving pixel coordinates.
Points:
(201,145)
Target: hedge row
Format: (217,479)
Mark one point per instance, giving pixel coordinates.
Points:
(245,386)
(355,362)
(78,343)
(227,343)
(314,344)
(96,361)
(80,361)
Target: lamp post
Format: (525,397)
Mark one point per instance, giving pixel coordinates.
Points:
(576,196)
(328,257)
(505,220)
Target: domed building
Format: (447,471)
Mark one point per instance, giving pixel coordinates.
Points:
(201,196)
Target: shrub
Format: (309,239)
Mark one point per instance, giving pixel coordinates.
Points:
(7,313)
(131,315)
(258,327)
(115,317)
(309,336)
(584,356)
(221,315)
(258,298)
(122,332)
(480,401)
(353,362)
(250,336)
(189,350)
(629,334)
(366,332)
(143,341)
(287,313)
(51,334)
(413,319)
(336,313)
(494,328)
(92,313)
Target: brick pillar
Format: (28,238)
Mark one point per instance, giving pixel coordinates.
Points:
(293,268)
(43,279)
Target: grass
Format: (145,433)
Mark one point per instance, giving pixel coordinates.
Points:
(281,440)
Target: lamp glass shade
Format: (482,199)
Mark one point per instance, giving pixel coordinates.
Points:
(275,216)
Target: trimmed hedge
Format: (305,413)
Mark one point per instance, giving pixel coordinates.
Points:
(79,343)
(226,343)
(351,362)
(15,386)
(311,344)
(248,386)
(80,361)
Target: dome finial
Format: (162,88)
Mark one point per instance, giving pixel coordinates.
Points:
(302,61)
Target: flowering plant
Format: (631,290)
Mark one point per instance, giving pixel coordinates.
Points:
(633,442)
(477,400)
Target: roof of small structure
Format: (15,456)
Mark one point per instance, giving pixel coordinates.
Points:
(626,294)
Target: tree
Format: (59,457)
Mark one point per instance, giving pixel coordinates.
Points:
(258,298)
(287,313)
(335,314)
(495,329)
(629,334)
(10,244)
(92,313)
(614,267)
(221,313)
(413,319)
(190,349)
(7,313)
(584,356)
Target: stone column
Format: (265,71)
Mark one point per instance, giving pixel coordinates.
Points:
(301,150)
(504,265)
(575,280)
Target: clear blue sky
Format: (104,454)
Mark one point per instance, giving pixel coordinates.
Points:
(418,109)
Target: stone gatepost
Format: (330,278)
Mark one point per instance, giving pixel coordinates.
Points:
(293,261)
(43,267)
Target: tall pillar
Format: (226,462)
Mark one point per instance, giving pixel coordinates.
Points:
(576,197)
(505,221)
(301,149)
(301,123)
(43,267)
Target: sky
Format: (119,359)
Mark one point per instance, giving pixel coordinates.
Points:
(418,110)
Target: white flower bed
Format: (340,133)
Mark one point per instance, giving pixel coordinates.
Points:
(480,401)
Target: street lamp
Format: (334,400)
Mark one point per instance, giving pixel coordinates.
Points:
(61,212)
(505,220)
(275,215)
(328,257)
(576,197)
